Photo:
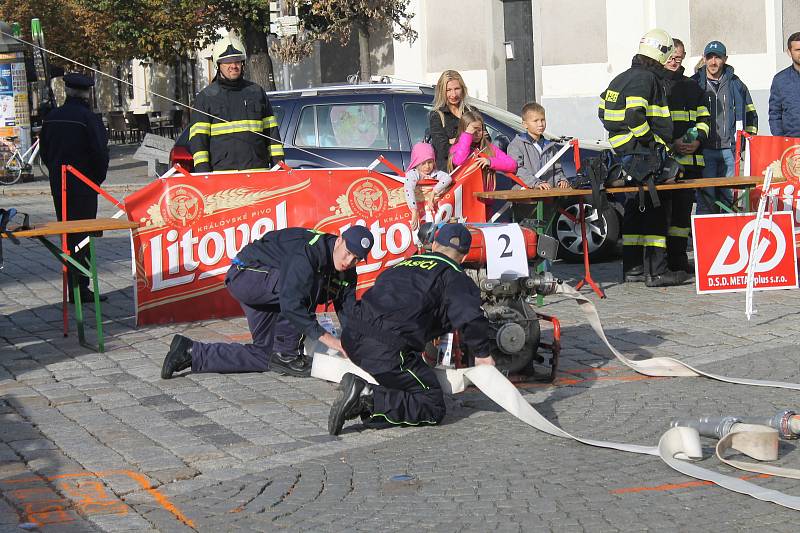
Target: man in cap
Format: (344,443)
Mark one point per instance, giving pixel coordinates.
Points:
(728,100)
(233,126)
(73,135)
(279,280)
(412,303)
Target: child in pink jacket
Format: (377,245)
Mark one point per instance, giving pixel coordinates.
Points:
(471,137)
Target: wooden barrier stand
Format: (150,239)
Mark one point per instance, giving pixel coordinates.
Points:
(529,196)
(93,227)
(534,195)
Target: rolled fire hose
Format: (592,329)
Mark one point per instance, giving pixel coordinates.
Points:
(675,447)
(756,437)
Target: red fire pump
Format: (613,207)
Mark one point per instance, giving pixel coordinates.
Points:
(507,303)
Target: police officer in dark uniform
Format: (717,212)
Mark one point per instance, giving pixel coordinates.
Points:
(411,303)
(73,135)
(279,280)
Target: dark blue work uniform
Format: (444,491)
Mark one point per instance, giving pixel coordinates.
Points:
(73,135)
(412,303)
(279,280)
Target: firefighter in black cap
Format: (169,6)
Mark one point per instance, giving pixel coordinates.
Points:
(411,303)
(73,135)
(279,280)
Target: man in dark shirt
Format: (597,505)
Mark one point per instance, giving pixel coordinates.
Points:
(411,303)
(73,135)
(279,280)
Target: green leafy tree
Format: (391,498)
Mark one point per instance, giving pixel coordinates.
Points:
(328,20)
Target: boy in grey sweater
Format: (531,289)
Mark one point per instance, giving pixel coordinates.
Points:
(532,151)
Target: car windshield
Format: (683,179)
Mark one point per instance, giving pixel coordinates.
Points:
(501,115)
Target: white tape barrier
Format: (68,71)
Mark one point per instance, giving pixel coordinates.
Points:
(676,445)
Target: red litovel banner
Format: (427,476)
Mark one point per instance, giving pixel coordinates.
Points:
(722,252)
(191,227)
(782,154)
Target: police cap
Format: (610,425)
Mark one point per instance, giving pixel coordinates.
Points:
(358,240)
(455,236)
(74,80)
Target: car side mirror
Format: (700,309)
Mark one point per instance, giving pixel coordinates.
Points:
(502,142)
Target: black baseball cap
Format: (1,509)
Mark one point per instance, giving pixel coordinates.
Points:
(359,240)
(455,236)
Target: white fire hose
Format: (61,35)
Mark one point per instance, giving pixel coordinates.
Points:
(677,445)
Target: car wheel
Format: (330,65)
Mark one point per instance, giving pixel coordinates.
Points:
(602,233)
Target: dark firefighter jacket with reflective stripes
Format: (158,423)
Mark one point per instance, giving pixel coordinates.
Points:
(635,111)
(418,300)
(307,275)
(688,109)
(234,145)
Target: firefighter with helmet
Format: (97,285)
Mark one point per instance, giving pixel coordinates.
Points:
(635,112)
(233,126)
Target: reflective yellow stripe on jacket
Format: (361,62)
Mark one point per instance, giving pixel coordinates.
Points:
(200,157)
(199,128)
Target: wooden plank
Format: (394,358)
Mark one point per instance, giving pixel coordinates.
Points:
(92,225)
(534,195)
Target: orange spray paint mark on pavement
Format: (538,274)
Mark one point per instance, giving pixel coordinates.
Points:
(88,496)
(677,486)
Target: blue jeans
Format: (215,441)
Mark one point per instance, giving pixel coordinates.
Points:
(719,164)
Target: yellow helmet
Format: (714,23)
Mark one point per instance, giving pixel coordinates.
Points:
(656,44)
(228,49)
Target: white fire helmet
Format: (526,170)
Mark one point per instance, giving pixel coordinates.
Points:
(229,49)
(656,44)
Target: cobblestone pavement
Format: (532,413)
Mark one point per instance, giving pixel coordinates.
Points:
(98,442)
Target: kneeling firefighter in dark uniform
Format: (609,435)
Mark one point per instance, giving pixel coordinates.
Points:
(635,112)
(411,303)
(279,280)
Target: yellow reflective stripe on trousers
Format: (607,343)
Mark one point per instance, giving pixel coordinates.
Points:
(236,126)
(749,107)
(632,240)
(275,150)
(751,129)
(269,122)
(677,231)
(199,128)
(656,241)
(614,115)
(641,130)
(658,111)
(635,101)
(618,140)
(200,157)
(691,159)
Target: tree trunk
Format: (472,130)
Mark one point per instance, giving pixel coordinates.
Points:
(363,51)
(259,64)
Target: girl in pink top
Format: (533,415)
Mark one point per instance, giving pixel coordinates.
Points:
(471,137)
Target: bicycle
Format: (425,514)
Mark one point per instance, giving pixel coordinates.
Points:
(16,163)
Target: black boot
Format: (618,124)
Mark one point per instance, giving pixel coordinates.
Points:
(179,356)
(354,400)
(667,279)
(634,275)
(290,364)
